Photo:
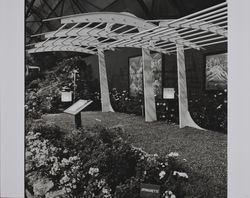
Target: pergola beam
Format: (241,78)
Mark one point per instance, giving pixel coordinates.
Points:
(61,48)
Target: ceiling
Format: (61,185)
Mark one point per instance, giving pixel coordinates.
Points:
(38,10)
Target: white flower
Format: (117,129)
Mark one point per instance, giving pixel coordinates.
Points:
(65,179)
(101,183)
(93,171)
(162,174)
(54,168)
(105,191)
(68,190)
(53,149)
(73,158)
(168,194)
(181,174)
(219,106)
(173,154)
(65,162)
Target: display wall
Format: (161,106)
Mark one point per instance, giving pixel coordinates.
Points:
(117,63)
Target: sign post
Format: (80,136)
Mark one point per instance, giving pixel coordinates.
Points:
(76,109)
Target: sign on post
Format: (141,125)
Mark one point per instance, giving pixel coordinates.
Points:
(66,96)
(168,93)
(76,109)
(150,191)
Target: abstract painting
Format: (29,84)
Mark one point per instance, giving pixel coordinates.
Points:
(136,75)
(216,71)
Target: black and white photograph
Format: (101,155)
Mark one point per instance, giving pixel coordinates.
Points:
(125,99)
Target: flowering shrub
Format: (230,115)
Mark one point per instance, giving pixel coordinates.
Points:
(43,92)
(40,101)
(32,105)
(209,110)
(96,162)
(122,102)
(167,110)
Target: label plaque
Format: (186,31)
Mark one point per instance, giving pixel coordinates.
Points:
(66,96)
(78,107)
(150,191)
(168,93)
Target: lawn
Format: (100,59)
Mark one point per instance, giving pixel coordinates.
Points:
(203,152)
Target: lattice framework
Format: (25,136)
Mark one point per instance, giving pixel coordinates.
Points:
(107,30)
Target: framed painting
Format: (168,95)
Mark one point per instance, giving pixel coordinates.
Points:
(136,74)
(216,71)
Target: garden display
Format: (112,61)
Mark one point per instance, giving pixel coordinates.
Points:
(95,162)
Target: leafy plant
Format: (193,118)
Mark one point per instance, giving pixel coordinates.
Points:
(96,162)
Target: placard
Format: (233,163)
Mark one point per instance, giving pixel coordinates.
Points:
(66,96)
(78,107)
(150,191)
(168,93)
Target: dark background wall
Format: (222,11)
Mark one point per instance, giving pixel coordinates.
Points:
(118,68)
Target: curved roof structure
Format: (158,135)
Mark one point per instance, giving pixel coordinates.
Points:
(107,30)
(38,10)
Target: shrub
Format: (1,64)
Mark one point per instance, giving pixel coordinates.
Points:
(122,102)
(209,110)
(96,162)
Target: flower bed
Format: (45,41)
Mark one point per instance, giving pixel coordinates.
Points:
(95,162)
(209,110)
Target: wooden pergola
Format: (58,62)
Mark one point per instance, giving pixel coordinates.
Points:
(96,32)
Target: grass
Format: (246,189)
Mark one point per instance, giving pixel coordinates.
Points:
(203,152)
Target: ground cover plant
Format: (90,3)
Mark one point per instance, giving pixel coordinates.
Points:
(95,162)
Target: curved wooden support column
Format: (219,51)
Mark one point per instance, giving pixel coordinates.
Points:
(105,99)
(149,98)
(185,118)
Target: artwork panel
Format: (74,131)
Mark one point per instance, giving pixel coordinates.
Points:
(216,71)
(135,84)
(136,74)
